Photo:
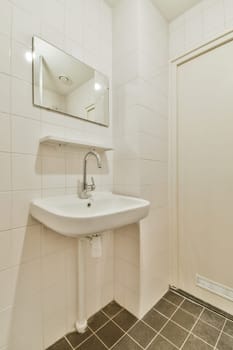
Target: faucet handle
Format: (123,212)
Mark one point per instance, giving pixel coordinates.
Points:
(92,183)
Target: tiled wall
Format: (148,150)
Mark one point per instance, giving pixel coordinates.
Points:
(37,266)
(201,23)
(140,78)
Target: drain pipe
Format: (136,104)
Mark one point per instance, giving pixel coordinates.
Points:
(81,323)
(96,252)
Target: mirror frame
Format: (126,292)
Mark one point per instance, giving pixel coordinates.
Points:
(53,110)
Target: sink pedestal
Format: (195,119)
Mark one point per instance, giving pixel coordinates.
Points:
(81,323)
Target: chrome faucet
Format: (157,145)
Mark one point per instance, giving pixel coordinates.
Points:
(85,186)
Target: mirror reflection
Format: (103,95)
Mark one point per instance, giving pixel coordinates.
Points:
(64,84)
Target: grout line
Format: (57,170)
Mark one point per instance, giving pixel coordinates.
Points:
(190,332)
(69,342)
(217,329)
(229,335)
(111,317)
(82,341)
(220,334)
(96,335)
(196,336)
(189,313)
(169,341)
(210,325)
(159,332)
(202,303)
(126,333)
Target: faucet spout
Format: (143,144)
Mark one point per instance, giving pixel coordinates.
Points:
(91,187)
(96,155)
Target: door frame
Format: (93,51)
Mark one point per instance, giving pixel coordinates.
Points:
(173,148)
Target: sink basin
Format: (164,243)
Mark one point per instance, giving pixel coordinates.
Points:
(72,216)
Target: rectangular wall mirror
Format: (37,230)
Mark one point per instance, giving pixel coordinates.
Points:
(64,84)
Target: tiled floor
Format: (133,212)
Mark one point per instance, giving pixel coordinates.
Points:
(175,322)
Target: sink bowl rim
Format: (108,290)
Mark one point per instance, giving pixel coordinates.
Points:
(141,203)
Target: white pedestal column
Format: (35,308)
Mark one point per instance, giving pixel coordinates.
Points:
(81,323)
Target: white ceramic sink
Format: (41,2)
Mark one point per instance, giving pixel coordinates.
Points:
(72,216)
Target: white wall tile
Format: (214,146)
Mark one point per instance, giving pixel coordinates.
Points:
(52,35)
(22,100)
(28,281)
(5,211)
(26,244)
(31,6)
(5,53)
(27,313)
(53,269)
(74,21)
(5,249)
(20,207)
(8,279)
(22,140)
(53,172)
(26,172)
(54,313)
(228,10)
(6,17)
(51,242)
(194,26)
(24,26)
(5,133)
(5,174)
(21,66)
(213,18)
(4,93)
(5,326)
(177,40)
(57,9)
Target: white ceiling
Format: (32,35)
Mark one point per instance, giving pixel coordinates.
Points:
(169,8)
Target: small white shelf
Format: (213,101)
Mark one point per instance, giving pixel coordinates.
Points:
(74,142)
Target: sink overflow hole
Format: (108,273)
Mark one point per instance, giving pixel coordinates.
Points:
(89,204)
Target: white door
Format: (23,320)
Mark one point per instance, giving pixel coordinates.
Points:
(205,171)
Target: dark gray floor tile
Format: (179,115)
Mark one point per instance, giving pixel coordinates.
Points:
(61,344)
(194,343)
(98,320)
(191,307)
(165,307)
(184,319)
(112,309)
(173,298)
(206,332)
(213,318)
(161,344)
(228,328)
(142,333)
(125,320)
(76,338)
(174,333)
(92,343)
(225,342)
(110,334)
(126,343)
(155,320)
